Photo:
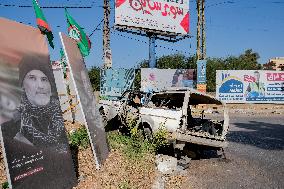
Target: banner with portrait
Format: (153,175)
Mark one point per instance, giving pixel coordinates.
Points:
(153,79)
(33,136)
(250,86)
(87,100)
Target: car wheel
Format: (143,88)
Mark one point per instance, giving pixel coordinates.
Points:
(148,135)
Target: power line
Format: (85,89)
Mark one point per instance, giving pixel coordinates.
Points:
(160,46)
(47,7)
(96,28)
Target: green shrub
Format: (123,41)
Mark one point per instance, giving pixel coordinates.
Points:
(5,185)
(160,138)
(133,148)
(79,138)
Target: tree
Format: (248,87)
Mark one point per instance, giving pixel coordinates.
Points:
(213,64)
(269,66)
(94,75)
(175,61)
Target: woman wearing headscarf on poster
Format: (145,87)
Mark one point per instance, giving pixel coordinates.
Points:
(35,141)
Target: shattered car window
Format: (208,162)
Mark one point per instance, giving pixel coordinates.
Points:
(168,100)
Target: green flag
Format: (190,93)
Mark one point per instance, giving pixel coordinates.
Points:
(63,63)
(42,23)
(77,33)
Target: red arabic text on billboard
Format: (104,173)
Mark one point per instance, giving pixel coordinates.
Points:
(155,15)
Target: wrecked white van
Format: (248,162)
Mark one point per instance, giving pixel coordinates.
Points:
(189,116)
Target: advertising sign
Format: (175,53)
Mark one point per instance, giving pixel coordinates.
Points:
(201,88)
(84,91)
(250,86)
(155,15)
(34,142)
(115,81)
(107,59)
(153,79)
(201,71)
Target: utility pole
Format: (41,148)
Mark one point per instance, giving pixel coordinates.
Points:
(198,30)
(200,36)
(201,47)
(203,36)
(107,58)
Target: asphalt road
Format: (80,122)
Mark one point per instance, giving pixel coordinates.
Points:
(255,157)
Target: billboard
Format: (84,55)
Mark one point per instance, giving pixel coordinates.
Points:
(155,15)
(250,86)
(153,79)
(201,71)
(88,104)
(34,142)
(115,81)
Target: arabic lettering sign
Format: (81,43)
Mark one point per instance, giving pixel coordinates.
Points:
(153,79)
(250,86)
(201,71)
(156,15)
(115,81)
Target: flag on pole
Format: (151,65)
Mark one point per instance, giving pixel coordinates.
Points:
(77,33)
(42,23)
(63,63)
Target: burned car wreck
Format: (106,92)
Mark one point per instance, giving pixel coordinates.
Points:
(189,116)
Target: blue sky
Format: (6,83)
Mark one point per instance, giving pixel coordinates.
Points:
(231,28)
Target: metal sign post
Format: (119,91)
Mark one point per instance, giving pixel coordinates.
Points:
(152,53)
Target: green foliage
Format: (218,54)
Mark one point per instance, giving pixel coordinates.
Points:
(124,185)
(94,74)
(137,80)
(132,148)
(160,138)
(79,138)
(5,185)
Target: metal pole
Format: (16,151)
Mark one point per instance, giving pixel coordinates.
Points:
(106,36)
(203,46)
(152,56)
(198,30)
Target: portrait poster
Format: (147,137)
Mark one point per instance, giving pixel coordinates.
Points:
(89,106)
(153,79)
(33,137)
(250,86)
(201,71)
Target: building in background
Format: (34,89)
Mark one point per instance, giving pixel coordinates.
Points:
(278,63)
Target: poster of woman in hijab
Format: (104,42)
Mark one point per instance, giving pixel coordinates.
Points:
(183,78)
(33,136)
